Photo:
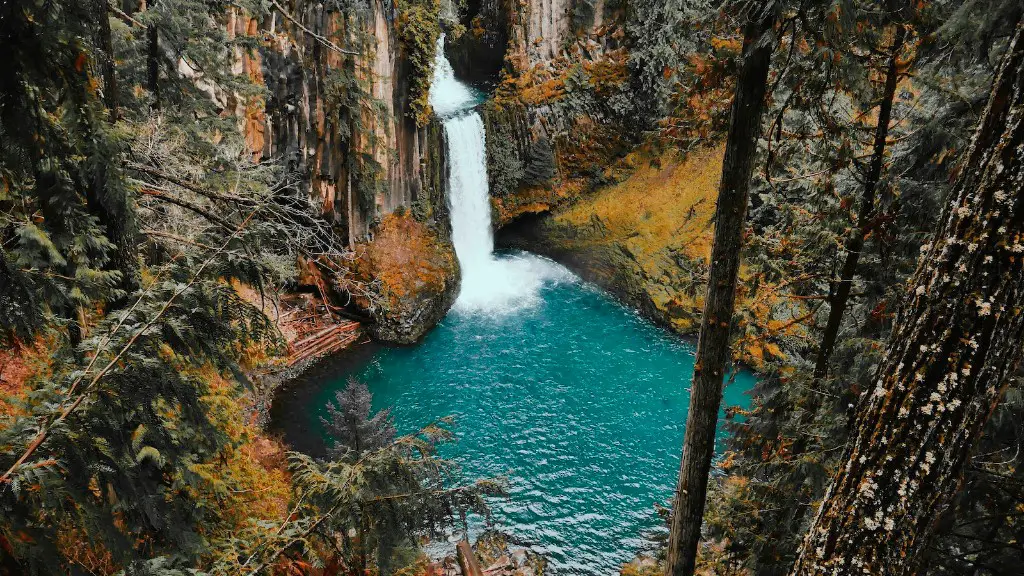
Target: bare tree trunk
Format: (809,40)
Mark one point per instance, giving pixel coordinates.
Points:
(839,295)
(153,64)
(954,347)
(713,342)
(107,68)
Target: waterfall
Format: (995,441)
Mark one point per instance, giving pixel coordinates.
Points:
(490,284)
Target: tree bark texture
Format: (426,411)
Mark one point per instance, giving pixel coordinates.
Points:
(153,64)
(840,293)
(107,66)
(713,341)
(955,344)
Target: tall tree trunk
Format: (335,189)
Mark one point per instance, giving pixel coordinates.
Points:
(954,347)
(839,295)
(107,68)
(713,341)
(153,64)
(153,60)
(112,208)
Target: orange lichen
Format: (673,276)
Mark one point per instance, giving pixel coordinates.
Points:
(656,228)
(18,365)
(404,259)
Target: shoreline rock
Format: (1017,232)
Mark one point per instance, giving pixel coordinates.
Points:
(412,276)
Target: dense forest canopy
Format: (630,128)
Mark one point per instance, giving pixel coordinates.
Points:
(199,196)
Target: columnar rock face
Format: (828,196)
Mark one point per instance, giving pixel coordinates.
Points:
(337,113)
(360,162)
(478,54)
(542,29)
(517,35)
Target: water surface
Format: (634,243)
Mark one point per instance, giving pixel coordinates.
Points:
(578,400)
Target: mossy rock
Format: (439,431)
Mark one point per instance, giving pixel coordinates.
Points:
(413,277)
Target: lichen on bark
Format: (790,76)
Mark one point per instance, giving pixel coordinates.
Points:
(955,344)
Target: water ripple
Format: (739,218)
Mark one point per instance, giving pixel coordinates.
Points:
(578,399)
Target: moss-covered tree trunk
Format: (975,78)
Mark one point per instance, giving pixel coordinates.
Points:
(955,344)
(713,341)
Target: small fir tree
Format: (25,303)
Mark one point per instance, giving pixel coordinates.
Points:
(354,430)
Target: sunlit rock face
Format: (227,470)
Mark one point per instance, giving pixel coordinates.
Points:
(412,277)
(377,173)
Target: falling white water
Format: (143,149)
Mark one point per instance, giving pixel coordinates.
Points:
(490,284)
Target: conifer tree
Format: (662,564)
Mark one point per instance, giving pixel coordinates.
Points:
(713,342)
(956,343)
(839,292)
(786,450)
(349,423)
(70,220)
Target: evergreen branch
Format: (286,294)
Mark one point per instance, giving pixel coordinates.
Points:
(177,238)
(68,410)
(188,206)
(189,185)
(394,444)
(456,490)
(110,335)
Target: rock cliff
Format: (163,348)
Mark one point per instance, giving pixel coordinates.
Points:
(555,68)
(339,112)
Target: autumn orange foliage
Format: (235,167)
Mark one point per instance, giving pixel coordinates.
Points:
(405,258)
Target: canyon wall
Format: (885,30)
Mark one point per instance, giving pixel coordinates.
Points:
(553,67)
(338,114)
(360,161)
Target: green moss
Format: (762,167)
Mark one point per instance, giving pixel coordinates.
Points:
(515,159)
(419,27)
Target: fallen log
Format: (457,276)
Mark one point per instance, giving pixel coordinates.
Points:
(320,338)
(325,342)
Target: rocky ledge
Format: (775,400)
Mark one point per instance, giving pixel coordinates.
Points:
(411,277)
(494,555)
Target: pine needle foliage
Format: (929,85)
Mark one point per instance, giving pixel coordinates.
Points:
(65,212)
(350,424)
(355,510)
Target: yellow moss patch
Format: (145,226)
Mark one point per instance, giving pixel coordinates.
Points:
(535,200)
(249,479)
(661,218)
(671,206)
(405,257)
(655,230)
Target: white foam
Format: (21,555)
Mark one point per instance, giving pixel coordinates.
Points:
(447,95)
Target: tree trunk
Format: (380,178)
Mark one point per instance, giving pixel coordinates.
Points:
(107,68)
(839,295)
(153,64)
(955,344)
(713,341)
